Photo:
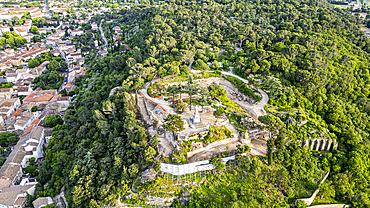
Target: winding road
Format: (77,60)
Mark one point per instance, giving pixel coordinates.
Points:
(47,8)
(102,33)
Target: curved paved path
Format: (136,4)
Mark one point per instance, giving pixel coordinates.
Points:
(160,101)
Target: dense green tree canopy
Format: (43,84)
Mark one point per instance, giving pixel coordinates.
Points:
(53,120)
(313,57)
(7,138)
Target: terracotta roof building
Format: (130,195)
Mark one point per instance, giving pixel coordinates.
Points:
(39,97)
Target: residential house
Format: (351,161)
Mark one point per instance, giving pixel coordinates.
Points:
(26,27)
(41,30)
(48,134)
(6,93)
(16,61)
(12,103)
(9,50)
(119,32)
(116,38)
(15,197)
(4,29)
(12,78)
(9,16)
(12,173)
(65,25)
(55,52)
(63,101)
(21,32)
(104,52)
(76,32)
(17,27)
(21,72)
(94,26)
(80,61)
(23,91)
(39,97)
(23,122)
(5,112)
(1,119)
(29,37)
(116,28)
(69,87)
(42,202)
(34,146)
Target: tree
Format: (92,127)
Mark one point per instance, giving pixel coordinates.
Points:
(6,84)
(34,109)
(149,155)
(172,91)
(63,65)
(216,91)
(33,63)
(30,199)
(53,65)
(200,65)
(34,30)
(270,150)
(8,138)
(32,161)
(53,120)
(174,70)
(218,113)
(215,65)
(273,122)
(174,123)
(191,89)
(301,204)
(153,52)
(180,106)
(217,162)
(19,41)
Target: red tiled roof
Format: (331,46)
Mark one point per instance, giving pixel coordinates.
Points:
(18,112)
(33,98)
(6,104)
(5,89)
(28,130)
(36,122)
(20,30)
